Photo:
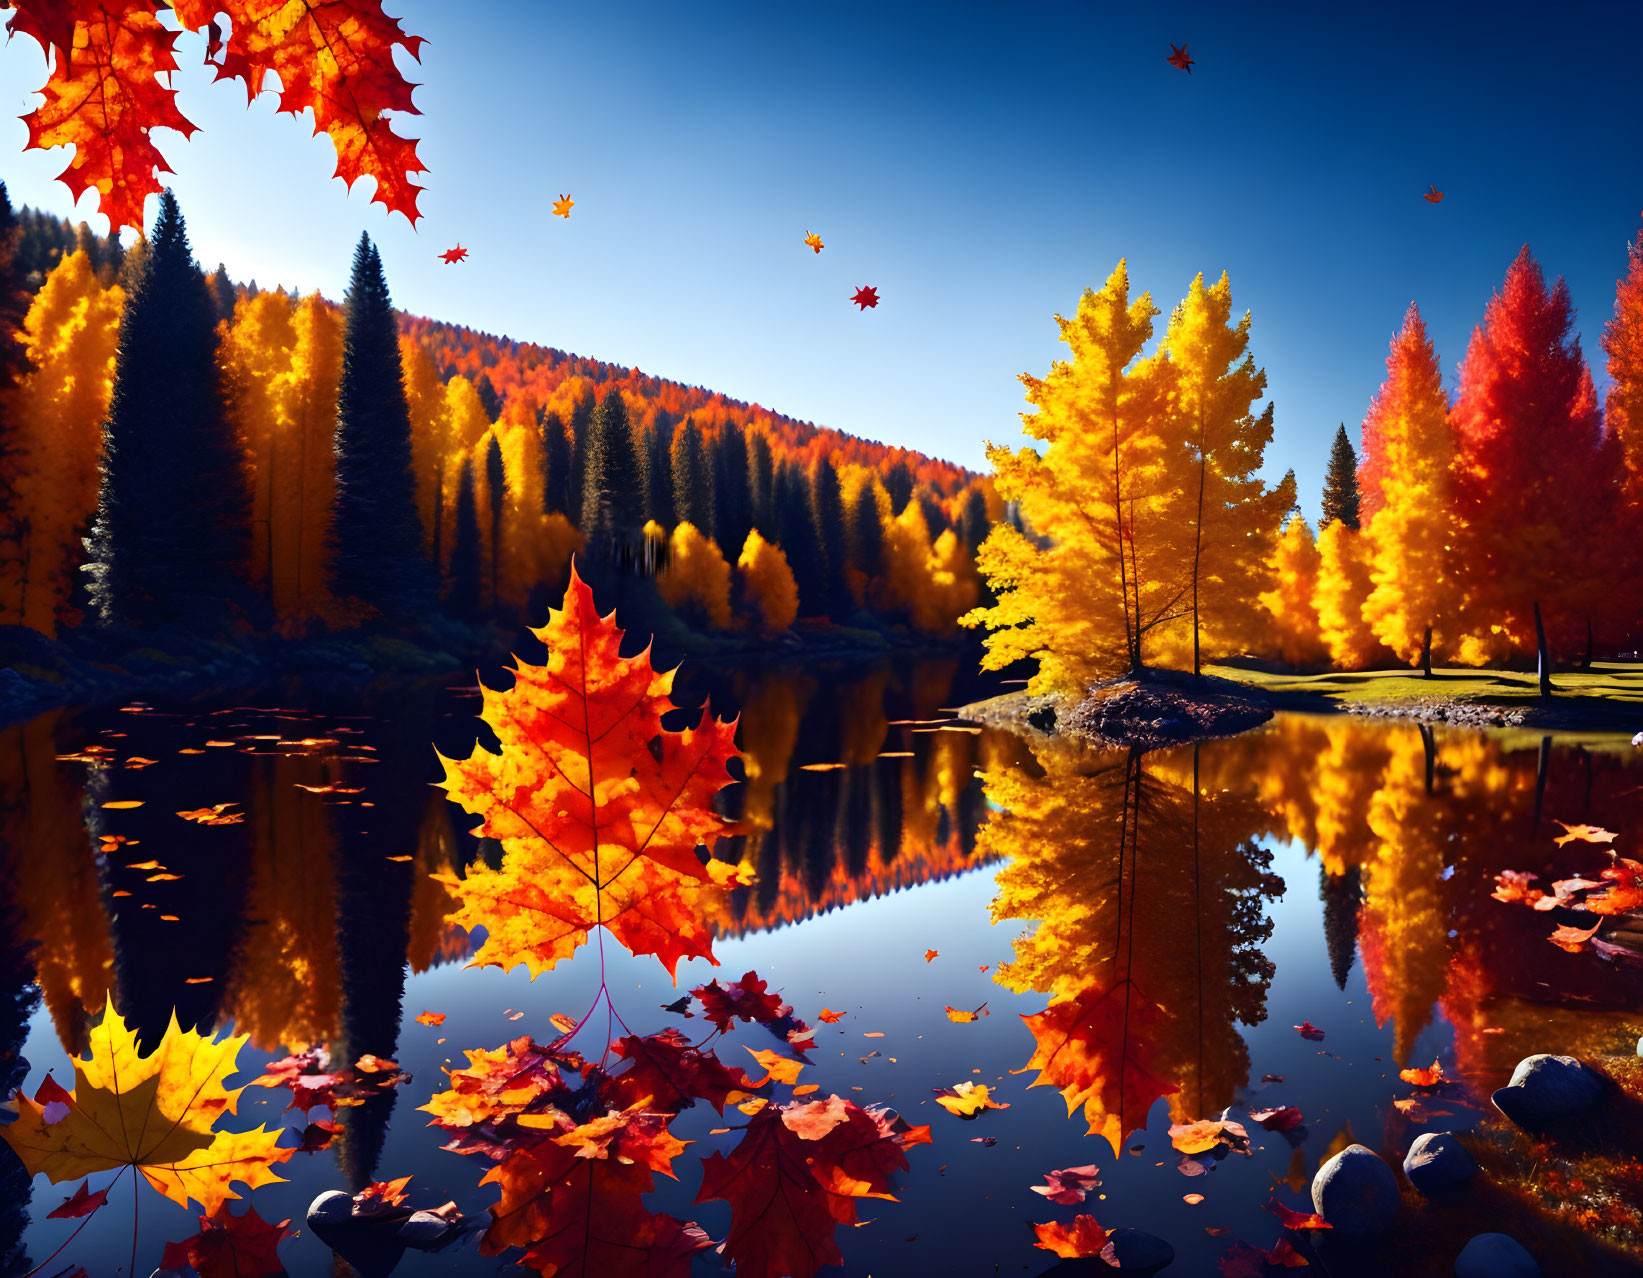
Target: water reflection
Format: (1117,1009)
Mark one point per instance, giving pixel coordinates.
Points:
(1142,880)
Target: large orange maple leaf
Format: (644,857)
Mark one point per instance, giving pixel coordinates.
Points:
(600,809)
(1093,1046)
(155,1113)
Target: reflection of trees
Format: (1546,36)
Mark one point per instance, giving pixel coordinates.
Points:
(1149,899)
(51,876)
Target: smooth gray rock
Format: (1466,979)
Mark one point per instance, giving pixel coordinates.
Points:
(1138,1252)
(423,1229)
(333,1207)
(1356,1193)
(363,1243)
(1495,1256)
(1437,1163)
(1545,1088)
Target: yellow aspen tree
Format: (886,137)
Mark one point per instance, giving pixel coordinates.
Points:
(905,556)
(50,441)
(535,546)
(1344,583)
(255,351)
(1230,517)
(767,584)
(1293,567)
(1411,446)
(425,396)
(953,588)
(1102,575)
(464,426)
(696,583)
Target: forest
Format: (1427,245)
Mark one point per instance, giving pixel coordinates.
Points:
(180,450)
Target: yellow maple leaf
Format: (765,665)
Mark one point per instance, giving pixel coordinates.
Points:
(563,205)
(968,1099)
(154,1113)
(777,1068)
(813,240)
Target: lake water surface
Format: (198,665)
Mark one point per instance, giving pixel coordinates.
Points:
(1331,871)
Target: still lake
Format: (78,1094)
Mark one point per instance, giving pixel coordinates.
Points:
(1333,871)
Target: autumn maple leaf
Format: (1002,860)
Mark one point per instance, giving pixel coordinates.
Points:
(1433,195)
(1092,1047)
(453,255)
(1084,1237)
(562,206)
(229,1246)
(814,241)
(865,297)
(599,809)
(1069,1185)
(1178,57)
(793,1179)
(154,1113)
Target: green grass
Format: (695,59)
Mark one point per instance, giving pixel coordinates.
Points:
(1607,681)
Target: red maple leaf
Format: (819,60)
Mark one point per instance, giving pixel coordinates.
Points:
(794,1178)
(1289,1218)
(83,1203)
(454,255)
(1277,1120)
(1069,1185)
(1178,57)
(1310,1032)
(668,1074)
(865,297)
(229,1246)
(1433,195)
(1084,1237)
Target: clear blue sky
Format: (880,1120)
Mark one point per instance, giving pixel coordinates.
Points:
(979,164)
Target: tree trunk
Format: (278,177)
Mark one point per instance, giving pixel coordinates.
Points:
(1426,653)
(1429,747)
(1540,778)
(1543,656)
(1586,661)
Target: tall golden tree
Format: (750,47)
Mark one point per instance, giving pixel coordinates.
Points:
(1099,577)
(1409,452)
(1343,586)
(425,397)
(1294,569)
(1229,515)
(49,442)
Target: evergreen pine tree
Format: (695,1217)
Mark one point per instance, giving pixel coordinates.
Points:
(488,396)
(1341,483)
(732,497)
(867,532)
(761,484)
(973,524)
(581,420)
(555,465)
(800,541)
(1341,894)
(496,487)
(171,531)
(463,595)
(613,485)
(692,478)
(14,302)
(659,468)
(222,293)
(898,482)
(376,534)
(828,503)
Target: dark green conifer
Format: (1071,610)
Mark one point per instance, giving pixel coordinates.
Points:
(800,541)
(867,532)
(222,293)
(375,536)
(761,483)
(898,482)
(1341,483)
(496,486)
(693,494)
(14,302)
(171,532)
(463,595)
(973,524)
(1341,895)
(488,398)
(581,421)
(555,465)
(659,468)
(613,485)
(732,496)
(828,503)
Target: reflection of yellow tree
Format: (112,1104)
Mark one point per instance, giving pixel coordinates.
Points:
(770,715)
(1150,905)
(432,939)
(1405,923)
(51,877)
(284,989)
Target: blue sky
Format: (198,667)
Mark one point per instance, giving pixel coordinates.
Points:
(979,164)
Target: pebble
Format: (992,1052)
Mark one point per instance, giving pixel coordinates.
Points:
(1547,1088)
(1356,1193)
(1437,1163)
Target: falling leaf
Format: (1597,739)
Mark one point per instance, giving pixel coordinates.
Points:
(806,1089)
(562,1022)
(154,1113)
(620,853)
(985,966)
(931,955)
(453,255)
(967,1100)
(1069,1185)
(814,241)
(1310,1032)
(563,205)
(431,1018)
(866,297)
(1433,195)
(964,1018)
(829,1017)
(1583,833)
(1178,57)
(120,805)
(679,1007)
(1572,939)
(1432,1076)
(1084,1237)
(777,1068)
